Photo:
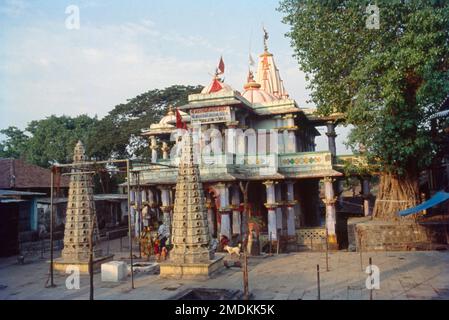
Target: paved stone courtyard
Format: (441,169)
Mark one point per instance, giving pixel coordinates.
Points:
(403,275)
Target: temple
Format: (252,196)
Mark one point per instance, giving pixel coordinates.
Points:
(259,135)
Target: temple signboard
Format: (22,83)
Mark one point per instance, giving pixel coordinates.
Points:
(210,115)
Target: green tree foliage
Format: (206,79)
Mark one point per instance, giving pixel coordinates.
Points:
(14,144)
(118,134)
(53,139)
(387,81)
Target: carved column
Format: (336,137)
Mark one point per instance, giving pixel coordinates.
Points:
(165,150)
(224,210)
(290,144)
(167,206)
(331,135)
(153,147)
(210,217)
(231,139)
(150,198)
(271,206)
(144,203)
(291,202)
(133,212)
(331,218)
(278,195)
(236,214)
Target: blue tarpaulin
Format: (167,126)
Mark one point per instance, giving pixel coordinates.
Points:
(439,197)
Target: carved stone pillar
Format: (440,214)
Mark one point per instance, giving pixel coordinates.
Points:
(211,217)
(167,206)
(278,194)
(291,202)
(331,135)
(290,143)
(231,139)
(144,206)
(165,150)
(331,218)
(224,210)
(271,206)
(236,214)
(153,147)
(132,210)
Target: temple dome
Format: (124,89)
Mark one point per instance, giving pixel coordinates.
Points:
(216,85)
(169,119)
(253,92)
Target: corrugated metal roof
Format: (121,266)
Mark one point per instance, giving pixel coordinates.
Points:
(20,193)
(97,197)
(12,200)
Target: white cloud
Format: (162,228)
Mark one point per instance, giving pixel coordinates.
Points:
(86,71)
(51,70)
(13,8)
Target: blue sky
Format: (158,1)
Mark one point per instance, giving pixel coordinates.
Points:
(124,48)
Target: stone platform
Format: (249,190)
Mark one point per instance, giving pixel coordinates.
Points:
(197,271)
(61,265)
(375,235)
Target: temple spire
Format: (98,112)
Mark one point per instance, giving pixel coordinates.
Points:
(268,74)
(80,212)
(190,225)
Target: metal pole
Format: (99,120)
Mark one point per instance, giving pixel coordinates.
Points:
(42,248)
(52,284)
(91,258)
(139,210)
(371,279)
(107,234)
(87,163)
(129,224)
(327,251)
(360,251)
(245,275)
(318,280)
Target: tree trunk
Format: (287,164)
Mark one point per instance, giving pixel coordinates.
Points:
(396,193)
(244,189)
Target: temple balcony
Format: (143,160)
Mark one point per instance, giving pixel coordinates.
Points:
(307,164)
(230,167)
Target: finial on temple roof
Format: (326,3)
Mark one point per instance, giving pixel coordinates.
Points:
(265,38)
(250,76)
(171,110)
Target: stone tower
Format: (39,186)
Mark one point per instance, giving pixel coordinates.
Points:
(80,211)
(190,225)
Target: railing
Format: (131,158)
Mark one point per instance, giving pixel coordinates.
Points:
(302,162)
(248,165)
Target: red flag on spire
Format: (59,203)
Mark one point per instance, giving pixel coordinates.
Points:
(179,123)
(221,66)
